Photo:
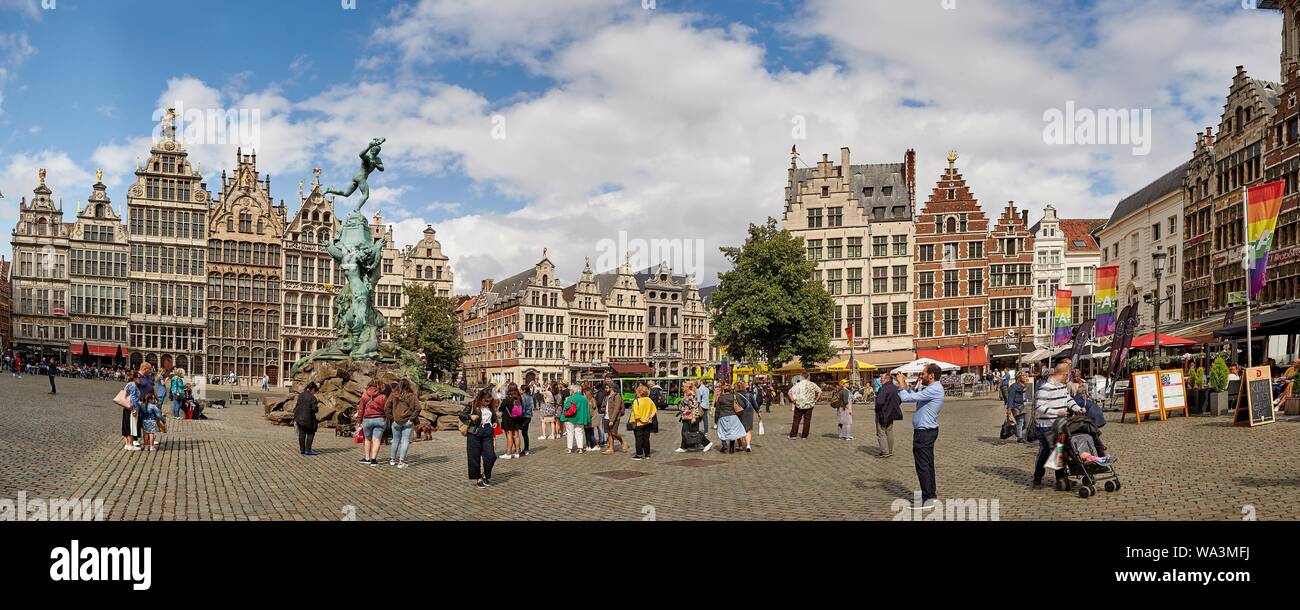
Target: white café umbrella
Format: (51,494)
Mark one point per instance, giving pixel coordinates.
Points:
(916,366)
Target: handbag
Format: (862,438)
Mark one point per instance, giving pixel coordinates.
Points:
(360,436)
(760,426)
(1008,429)
(497,431)
(122,400)
(162,425)
(631,426)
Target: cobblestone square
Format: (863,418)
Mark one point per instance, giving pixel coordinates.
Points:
(237,466)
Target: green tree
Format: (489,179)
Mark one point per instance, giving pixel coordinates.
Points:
(429,322)
(768,308)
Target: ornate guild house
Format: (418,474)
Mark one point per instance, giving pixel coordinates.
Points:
(310,279)
(245,231)
(40,276)
(98,286)
(167,215)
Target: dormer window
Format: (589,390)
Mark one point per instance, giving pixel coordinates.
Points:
(887,191)
(826,191)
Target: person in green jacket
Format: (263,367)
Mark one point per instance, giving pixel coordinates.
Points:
(576,414)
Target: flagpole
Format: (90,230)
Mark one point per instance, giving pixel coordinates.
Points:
(1245,270)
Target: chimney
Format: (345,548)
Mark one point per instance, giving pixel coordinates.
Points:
(487,285)
(1024,217)
(844,161)
(909,169)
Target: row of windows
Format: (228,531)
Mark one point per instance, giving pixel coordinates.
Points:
(951,283)
(310,269)
(99,300)
(42,264)
(166,337)
(168,189)
(244,287)
(41,301)
(244,253)
(950,251)
(254,324)
(153,222)
(166,299)
(99,263)
(167,260)
(98,332)
(313,311)
(951,326)
(851,247)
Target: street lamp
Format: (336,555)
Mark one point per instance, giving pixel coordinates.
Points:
(1158,270)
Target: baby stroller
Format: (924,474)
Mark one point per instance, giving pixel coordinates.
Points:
(1080,435)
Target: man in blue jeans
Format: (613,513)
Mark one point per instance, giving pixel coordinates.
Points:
(928,396)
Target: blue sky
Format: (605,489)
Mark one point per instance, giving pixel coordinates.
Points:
(674,122)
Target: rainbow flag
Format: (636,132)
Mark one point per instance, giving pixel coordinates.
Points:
(1107,296)
(1263,203)
(1062,318)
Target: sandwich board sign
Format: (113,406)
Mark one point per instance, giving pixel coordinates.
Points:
(1173,393)
(1255,400)
(1144,396)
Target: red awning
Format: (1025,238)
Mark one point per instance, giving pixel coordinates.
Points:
(108,351)
(1148,340)
(957,355)
(630,368)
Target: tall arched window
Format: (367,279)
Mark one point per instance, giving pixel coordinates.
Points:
(228,287)
(259,289)
(245,288)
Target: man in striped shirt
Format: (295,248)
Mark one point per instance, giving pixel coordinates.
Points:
(1052,402)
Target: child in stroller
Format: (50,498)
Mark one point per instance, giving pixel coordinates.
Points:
(1085,461)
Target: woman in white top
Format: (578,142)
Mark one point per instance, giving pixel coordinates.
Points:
(480,440)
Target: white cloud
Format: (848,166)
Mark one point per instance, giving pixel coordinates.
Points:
(69,182)
(514,30)
(15,49)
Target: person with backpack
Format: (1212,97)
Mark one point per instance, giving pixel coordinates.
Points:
(512,410)
(177,390)
(403,409)
(842,402)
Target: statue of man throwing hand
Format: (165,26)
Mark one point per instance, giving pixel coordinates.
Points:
(370,162)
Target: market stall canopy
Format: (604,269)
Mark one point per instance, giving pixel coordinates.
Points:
(1283,321)
(970,355)
(1038,355)
(790,368)
(1148,340)
(843,365)
(916,366)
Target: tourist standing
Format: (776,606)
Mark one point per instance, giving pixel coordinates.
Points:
(1016,404)
(749,407)
(177,390)
(842,400)
(371,414)
(511,410)
(689,414)
(576,416)
(888,410)
(601,394)
(130,423)
(1051,402)
(49,370)
(702,397)
(479,447)
(304,419)
(726,409)
(528,399)
(550,409)
(403,409)
(928,396)
(643,415)
(804,395)
(149,415)
(613,415)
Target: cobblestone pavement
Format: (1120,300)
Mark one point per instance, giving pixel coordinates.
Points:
(236,466)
